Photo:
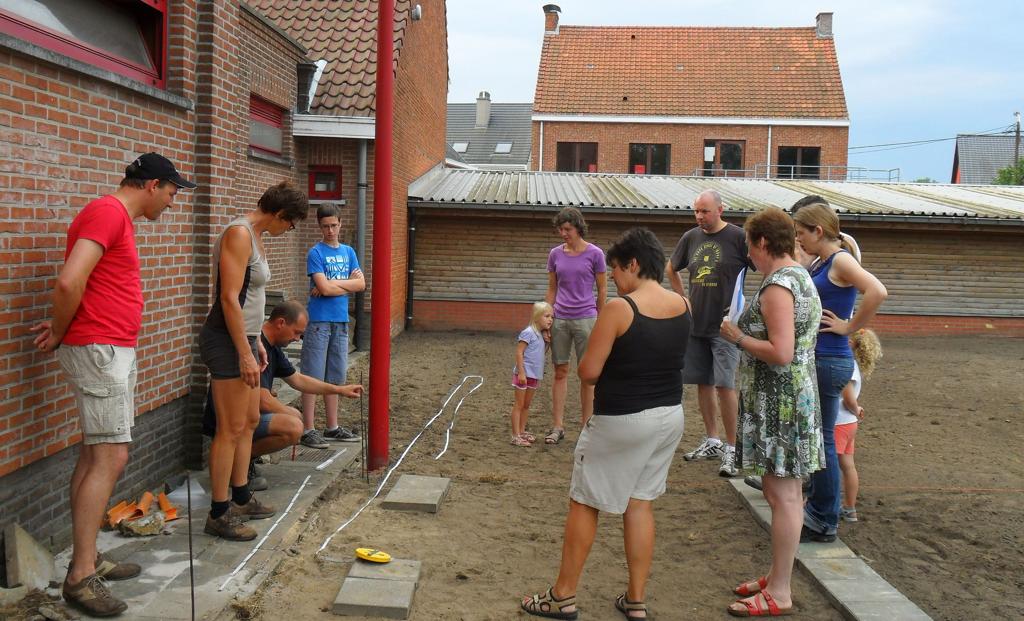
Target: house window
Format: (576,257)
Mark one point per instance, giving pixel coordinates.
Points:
(723,158)
(576,157)
(649,159)
(460,147)
(126,37)
(503,147)
(325,182)
(799,163)
(266,122)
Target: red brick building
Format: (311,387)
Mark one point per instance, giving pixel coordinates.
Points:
(737,102)
(213,86)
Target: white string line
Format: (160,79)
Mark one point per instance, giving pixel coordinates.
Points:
(265,537)
(331,460)
(387,475)
(451,425)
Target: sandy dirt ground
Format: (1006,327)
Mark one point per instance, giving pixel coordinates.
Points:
(941,502)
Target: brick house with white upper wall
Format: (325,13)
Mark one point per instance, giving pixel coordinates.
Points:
(213,86)
(713,101)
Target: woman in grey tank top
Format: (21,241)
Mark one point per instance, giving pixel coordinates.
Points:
(230,346)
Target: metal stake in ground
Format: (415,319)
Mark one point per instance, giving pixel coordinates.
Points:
(362,428)
(191,569)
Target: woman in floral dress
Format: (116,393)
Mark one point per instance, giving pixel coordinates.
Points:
(779,431)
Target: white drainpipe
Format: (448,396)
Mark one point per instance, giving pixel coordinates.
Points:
(768,171)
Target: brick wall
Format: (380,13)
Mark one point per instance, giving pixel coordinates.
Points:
(36,496)
(65,138)
(342,152)
(687,143)
(421,90)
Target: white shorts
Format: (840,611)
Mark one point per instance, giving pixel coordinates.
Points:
(623,457)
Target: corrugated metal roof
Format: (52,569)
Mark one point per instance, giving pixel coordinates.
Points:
(475,188)
(980,157)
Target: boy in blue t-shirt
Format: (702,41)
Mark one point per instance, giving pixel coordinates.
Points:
(334,272)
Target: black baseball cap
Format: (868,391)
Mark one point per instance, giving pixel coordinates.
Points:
(155,166)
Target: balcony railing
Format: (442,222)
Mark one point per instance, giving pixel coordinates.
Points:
(830,172)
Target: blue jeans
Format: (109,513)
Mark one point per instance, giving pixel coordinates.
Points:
(821,511)
(325,351)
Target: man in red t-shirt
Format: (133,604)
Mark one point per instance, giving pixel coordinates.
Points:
(97,313)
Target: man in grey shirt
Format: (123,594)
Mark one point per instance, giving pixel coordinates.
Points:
(713,253)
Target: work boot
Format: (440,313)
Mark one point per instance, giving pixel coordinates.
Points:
(252,510)
(114,570)
(230,527)
(92,597)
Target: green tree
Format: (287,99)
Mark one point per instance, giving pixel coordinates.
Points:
(1011,175)
(925,180)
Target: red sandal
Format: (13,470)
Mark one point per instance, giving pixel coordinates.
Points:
(752,607)
(750,588)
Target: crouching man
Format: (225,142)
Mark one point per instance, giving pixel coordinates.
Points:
(280,425)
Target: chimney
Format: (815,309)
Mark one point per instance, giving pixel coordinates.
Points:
(823,23)
(304,74)
(551,12)
(483,109)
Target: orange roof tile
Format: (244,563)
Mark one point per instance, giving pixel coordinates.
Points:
(690,71)
(344,33)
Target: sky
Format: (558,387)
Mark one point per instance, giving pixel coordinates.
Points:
(912,70)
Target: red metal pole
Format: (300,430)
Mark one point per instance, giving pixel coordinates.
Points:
(380,296)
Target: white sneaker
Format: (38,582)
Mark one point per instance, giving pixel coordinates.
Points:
(709,448)
(728,467)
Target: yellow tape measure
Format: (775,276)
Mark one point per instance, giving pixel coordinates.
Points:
(373,555)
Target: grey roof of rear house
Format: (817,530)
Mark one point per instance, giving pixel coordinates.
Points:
(981,157)
(509,122)
(522,190)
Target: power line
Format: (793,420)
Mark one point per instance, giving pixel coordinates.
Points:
(913,143)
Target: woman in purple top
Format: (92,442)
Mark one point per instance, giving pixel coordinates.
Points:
(574,267)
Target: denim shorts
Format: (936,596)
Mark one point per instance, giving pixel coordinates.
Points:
(103,378)
(325,351)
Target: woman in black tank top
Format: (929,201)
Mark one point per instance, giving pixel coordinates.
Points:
(634,359)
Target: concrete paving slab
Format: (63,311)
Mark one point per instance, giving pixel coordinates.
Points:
(884,611)
(398,569)
(840,569)
(417,493)
(863,590)
(391,599)
(852,586)
(834,550)
(28,563)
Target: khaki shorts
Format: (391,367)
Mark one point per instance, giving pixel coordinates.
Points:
(623,457)
(569,334)
(103,377)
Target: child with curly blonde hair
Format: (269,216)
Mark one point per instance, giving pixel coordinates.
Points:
(866,352)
